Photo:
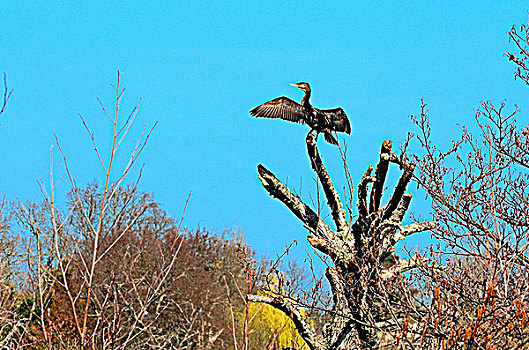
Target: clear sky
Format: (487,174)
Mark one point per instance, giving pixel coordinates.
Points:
(200,66)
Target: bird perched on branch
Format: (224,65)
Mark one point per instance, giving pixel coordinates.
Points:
(324,121)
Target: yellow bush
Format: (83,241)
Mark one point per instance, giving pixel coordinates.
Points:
(269,325)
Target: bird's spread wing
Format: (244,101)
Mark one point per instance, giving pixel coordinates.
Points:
(281,107)
(338,119)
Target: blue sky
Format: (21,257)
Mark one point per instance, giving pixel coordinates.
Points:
(199,67)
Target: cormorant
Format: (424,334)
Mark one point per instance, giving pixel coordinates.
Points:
(320,120)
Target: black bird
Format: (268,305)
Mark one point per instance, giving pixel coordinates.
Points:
(320,120)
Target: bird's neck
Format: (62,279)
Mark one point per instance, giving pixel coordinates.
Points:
(305,100)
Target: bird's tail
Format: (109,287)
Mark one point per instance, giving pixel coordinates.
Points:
(330,139)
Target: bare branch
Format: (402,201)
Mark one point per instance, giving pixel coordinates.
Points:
(277,190)
(333,198)
(400,267)
(399,190)
(7,95)
(362,193)
(380,176)
(417,227)
(302,325)
(398,214)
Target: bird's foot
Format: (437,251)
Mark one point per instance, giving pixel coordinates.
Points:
(311,136)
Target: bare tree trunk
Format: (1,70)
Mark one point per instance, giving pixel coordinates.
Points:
(360,251)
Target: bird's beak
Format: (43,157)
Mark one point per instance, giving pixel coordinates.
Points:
(296,85)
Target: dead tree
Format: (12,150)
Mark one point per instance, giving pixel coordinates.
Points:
(360,252)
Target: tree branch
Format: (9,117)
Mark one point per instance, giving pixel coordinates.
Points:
(380,176)
(302,325)
(398,193)
(397,232)
(337,289)
(7,95)
(398,214)
(400,267)
(303,212)
(417,227)
(362,193)
(333,198)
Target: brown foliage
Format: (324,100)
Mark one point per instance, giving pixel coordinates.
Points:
(138,299)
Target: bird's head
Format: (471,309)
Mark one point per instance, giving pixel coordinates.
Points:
(302,85)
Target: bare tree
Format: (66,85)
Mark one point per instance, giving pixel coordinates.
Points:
(359,251)
(108,268)
(477,285)
(77,296)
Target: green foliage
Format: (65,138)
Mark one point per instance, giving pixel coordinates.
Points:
(272,323)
